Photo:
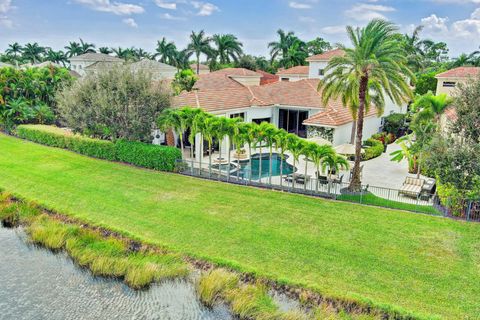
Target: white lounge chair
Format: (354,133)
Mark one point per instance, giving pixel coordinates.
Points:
(412,187)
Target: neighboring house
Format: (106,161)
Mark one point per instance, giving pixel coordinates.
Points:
(294,74)
(159,70)
(319,62)
(295,106)
(446,83)
(448,80)
(267,77)
(83,61)
(204,69)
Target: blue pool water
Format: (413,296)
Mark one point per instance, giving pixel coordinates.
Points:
(254,171)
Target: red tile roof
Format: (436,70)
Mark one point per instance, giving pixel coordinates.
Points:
(460,72)
(300,70)
(216,80)
(193,66)
(267,77)
(451,113)
(335,115)
(238,72)
(326,56)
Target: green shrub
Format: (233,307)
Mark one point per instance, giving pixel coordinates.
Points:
(147,155)
(394,122)
(136,153)
(375,150)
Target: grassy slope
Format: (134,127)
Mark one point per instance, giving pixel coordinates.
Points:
(425,264)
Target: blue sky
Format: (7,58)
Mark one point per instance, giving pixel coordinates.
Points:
(140,23)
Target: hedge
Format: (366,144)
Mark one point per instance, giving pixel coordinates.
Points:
(147,155)
(375,150)
(136,153)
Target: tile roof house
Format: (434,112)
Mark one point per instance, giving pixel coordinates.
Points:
(80,62)
(295,106)
(294,73)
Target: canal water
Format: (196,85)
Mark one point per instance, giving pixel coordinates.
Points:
(37,284)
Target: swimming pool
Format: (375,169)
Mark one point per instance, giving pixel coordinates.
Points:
(245,169)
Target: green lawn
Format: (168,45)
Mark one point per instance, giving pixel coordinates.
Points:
(423,264)
(371,199)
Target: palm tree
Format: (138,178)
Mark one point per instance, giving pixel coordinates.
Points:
(295,55)
(199,43)
(250,138)
(232,131)
(319,154)
(413,48)
(166,51)
(269,133)
(87,47)
(373,68)
(309,149)
(227,47)
(187,116)
(210,126)
(121,53)
(221,130)
(57,56)
(431,107)
(296,146)
(332,162)
(281,142)
(281,46)
(73,49)
(170,119)
(198,126)
(105,50)
(260,133)
(239,140)
(180,59)
(33,52)
(141,54)
(14,50)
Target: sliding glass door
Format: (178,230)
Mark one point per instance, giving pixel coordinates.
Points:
(292,121)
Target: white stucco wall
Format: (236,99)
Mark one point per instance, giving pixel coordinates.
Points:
(314,67)
(342,134)
(79,66)
(292,78)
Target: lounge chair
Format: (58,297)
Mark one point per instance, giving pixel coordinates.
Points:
(412,187)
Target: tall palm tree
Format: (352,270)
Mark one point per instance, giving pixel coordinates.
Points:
(166,51)
(308,151)
(250,138)
(14,50)
(374,67)
(198,126)
(170,119)
(33,52)
(180,60)
(142,54)
(296,146)
(280,47)
(333,162)
(188,116)
(319,155)
(87,47)
(228,47)
(210,127)
(105,50)
(232,131)
(281,143)
(221,130)
(269,133)
(199,43)
(295,55)
(73,49)
(260,133)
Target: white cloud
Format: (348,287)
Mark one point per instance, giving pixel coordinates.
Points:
(299,5)
(435,24)
(367,12)
(168,16)
(333,29)
(166,4)
(5,7)
(118,8)
(204,8)
(130,22)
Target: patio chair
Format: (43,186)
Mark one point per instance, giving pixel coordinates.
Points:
(412,187)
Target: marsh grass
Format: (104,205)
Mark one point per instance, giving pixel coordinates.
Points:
(252,301)
(108,257)
(212,286)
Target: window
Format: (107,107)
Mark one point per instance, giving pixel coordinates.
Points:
(238,115)
(80,66)
(285,79)
(292,121)
(321,72)
(449,84)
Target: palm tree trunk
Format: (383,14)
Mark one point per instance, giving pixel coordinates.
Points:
(318,175)
(354,130)
(209,158)
(293,175)
(260,166)
(356,183)
(181,143)
(198,63)
(281,170)
(250,163)
(305,180)
(228,164)
(270,168)
(192,145)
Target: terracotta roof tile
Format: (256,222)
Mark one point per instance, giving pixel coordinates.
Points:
(335,115)
(326,56)
(238,72)
(267,78)
(300,70)
(460,72)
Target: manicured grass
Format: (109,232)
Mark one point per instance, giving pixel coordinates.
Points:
(371,199)
(418,263)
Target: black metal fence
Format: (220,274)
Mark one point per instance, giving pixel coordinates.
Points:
(333,187)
